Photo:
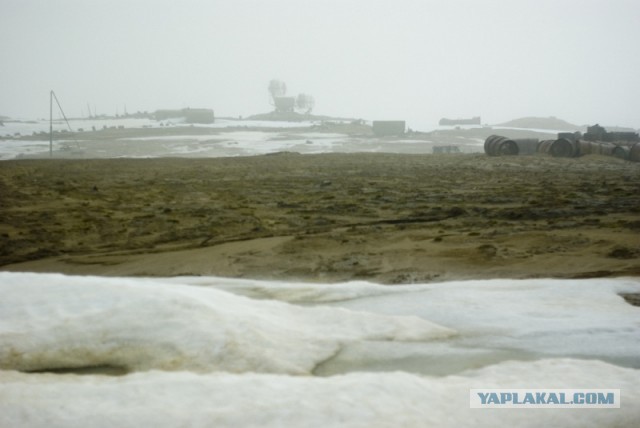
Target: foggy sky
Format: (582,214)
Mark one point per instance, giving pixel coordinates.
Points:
(417,60)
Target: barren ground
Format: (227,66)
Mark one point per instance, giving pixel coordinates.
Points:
(388,218)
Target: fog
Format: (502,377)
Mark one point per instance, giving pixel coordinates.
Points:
(414,60)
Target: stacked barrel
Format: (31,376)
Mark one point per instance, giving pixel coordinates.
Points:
(496,145)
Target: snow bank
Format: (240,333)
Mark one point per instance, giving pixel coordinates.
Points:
(53,321)
(496,319)
(28,127)
(295,292)
(537,318)
(536,291)
(11,149)
(200,356)
(168,399)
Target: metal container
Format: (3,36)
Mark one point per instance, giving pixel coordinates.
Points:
(496,145)
(561,148)
(527,146)
(634,153)
(595,148)
(606,149)
(586,147)
(385,128)
(621,152)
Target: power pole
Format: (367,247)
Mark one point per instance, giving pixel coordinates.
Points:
(52,95)
(51,123)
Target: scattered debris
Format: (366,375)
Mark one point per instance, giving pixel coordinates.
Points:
(596,141)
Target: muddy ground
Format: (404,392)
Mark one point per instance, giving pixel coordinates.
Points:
(387,218)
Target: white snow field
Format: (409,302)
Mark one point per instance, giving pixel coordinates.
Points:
(495,319)
(395,399)
(191,351)
(53,322)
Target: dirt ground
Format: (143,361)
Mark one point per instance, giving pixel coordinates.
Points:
(387,218)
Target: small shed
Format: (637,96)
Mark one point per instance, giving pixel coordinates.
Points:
(384,128)
(198,115)
(190,115)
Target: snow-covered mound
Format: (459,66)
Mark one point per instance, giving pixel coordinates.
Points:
(169,399)
(194,354)
(495,319)
(53,321)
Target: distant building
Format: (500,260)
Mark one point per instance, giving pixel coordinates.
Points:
(198,115)
(190,115)
(598,133)
(384,128)
(451,122)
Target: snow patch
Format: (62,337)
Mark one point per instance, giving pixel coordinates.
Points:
(53,321)
(495,319)
(168,399)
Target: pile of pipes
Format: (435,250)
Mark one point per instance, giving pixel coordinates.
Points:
(567,146)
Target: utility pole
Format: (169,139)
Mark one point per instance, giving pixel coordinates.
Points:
(52,95)
(51,124)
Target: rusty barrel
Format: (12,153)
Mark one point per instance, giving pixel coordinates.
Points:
(527,146)
(606,149)
(496,145)
(596,148)
(560,148)
(634,153)
(600,148)
(586,147)
(621,152)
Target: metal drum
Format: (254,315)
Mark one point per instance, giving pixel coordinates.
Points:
(527,146)
(561,148)
(496,145)
(621,152)
(634,153)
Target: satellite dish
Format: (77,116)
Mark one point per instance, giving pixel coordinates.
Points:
(277,88)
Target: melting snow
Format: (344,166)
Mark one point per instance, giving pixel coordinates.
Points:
(53,321)
(169,399)
(196,352)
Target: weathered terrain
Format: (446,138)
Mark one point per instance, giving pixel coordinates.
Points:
(387,218)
